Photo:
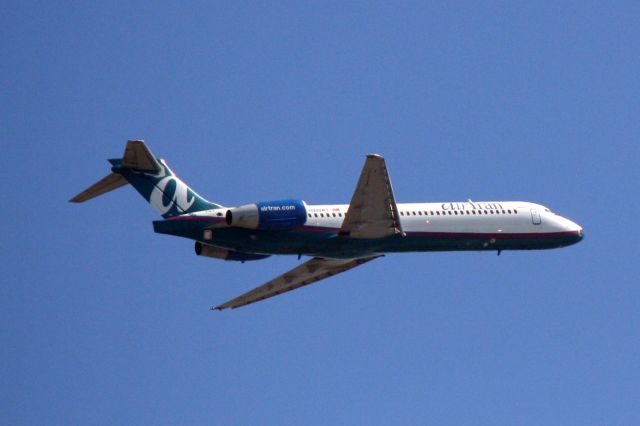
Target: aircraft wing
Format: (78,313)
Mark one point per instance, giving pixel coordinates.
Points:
(309,272)
(373,212)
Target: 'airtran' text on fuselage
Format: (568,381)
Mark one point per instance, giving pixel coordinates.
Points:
(471,206)
(277,208)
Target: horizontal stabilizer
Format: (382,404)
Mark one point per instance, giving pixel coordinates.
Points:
(138,157)
(104,185)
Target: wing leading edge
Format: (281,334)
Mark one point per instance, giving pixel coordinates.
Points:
(309,272)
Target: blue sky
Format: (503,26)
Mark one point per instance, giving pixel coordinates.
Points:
(105,322)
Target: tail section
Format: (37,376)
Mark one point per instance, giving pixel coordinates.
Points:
(153,179)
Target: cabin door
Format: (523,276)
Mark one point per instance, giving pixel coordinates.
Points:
(535,217)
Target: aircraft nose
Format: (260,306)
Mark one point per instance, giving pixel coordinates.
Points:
(575,231)
(578,232)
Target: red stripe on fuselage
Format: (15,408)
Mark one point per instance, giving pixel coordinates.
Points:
(200,218)
(493,235)
(317,229)
(460,234)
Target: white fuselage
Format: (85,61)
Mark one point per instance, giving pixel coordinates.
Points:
(445,226)
(459,217)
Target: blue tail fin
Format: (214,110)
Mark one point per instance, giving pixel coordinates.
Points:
(153,179)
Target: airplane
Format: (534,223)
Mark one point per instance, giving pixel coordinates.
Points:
(337,237)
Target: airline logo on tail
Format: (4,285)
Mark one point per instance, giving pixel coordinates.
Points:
(180,196)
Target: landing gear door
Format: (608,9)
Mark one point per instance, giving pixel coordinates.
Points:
(535,217)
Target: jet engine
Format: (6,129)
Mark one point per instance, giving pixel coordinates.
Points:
(225,254)
(269,215)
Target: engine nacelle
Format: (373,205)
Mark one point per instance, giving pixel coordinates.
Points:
(269,215)
(225,254)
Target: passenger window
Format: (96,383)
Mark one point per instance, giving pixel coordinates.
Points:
(438,213)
